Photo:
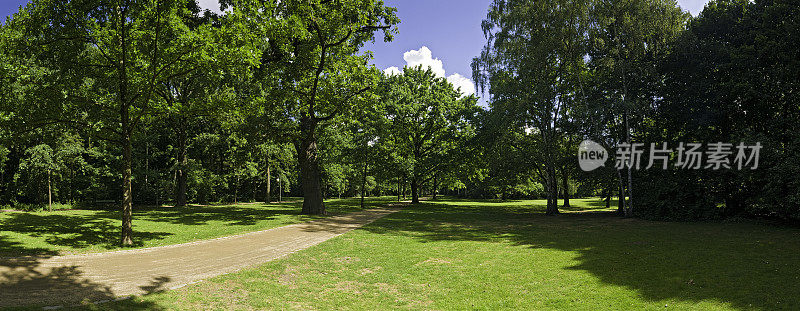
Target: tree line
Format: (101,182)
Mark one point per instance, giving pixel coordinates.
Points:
(172,104)
(644,71)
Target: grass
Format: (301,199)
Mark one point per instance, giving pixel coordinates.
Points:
(82,231)
(488,255)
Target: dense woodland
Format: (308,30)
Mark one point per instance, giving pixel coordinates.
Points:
(121,103)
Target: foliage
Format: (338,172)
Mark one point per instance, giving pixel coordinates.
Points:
(425,120)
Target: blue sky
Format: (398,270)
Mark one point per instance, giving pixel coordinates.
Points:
(443,34)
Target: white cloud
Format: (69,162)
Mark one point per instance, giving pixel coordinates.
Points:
(391,71)
(424,57)
(211,5)
(459,81)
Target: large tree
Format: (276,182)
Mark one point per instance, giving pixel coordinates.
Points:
(731,77)
(626,40)
(103,61)
(533,64)
(425,116)
(312,54)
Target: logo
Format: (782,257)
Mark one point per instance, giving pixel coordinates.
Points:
(591,155)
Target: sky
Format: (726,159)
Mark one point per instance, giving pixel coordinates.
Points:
(442,34)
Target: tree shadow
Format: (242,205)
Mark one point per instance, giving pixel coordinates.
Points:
(156,285)
(13,248)
(234,215)
(746,265)
(100,229)
(246,214)
(76,231)
(27,283)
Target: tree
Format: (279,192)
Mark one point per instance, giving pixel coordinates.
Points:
(105,61)
(627,39)
(533,62)
(732,76)
(424,118)
(212,85)
(313,47)
(40,166)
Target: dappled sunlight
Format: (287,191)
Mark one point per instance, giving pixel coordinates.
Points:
(743,265)
(71,231)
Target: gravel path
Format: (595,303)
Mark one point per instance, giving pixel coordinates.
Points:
(99,277)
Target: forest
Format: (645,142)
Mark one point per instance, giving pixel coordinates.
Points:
(120,104)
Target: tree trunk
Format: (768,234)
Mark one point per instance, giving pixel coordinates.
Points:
(49,193)
(255,190)
(552,188)
(127,193)
(180,174)
(313,203)
(621,200)
(268,198)
(404,187)
(629,207)
(280,189)
(414,190)
(236,191)
(398,188)
(565,187)
(435,185)
(126,129)
(364,183)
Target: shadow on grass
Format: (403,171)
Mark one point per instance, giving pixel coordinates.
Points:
(101,229)
(747,266)
(30,282)
(243,214)
(37,280)
(76,231)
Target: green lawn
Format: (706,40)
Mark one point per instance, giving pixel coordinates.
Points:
(81,231)
(458,255)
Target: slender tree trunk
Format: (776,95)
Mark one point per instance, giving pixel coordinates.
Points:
(127,192)
(363,183)
(629,208)
(268,198)
(280,189)
(180,174)
(49,192)
(398,188)
(435,185)
(71,186)
(404,187)
(313,204)
(565,186)
(621,190)
(552,197)
(236,191)
(414,190)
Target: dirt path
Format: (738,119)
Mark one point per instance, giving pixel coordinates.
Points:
(68,280)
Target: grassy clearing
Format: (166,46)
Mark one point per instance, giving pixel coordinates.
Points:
(81,231)
(455,255)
